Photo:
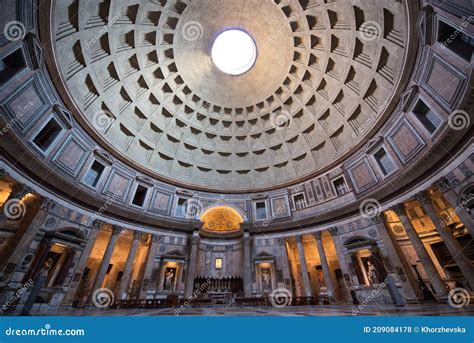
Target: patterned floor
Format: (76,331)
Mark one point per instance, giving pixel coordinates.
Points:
(321,310)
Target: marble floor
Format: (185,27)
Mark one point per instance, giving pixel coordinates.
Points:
(320,310)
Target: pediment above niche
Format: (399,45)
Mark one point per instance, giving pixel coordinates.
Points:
(65,115)
(175,253)
(184,192)
(104,156)
(146,180)
(406,98)
(35,51)
(372,144)
(264,254)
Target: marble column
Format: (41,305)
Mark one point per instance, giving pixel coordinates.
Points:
(21,242)
(341,257)
(192,260)
(82,264)
(104,264)
(247,266)
(445,188)
(325,265)
(396,257)
(304,268)
(125,281)
(150,263)
(426,262)
(346,275)
(285,264)
(13,210)
(446,233)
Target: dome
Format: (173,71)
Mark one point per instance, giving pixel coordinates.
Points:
(316,81)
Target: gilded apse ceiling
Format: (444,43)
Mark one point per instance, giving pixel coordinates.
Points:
(142,78)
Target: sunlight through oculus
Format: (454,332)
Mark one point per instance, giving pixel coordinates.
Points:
(234,52)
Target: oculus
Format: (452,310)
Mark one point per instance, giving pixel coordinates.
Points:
(234,52)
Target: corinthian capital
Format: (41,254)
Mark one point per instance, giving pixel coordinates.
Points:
(423,197)
(399,209)
(116,230)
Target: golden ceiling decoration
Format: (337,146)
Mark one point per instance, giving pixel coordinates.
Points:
(221,219)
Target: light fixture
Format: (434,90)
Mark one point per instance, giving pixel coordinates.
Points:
(234,52)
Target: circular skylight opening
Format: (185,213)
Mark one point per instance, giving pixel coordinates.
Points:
(234,52)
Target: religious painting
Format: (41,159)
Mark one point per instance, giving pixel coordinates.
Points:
(169,280)
(266,279)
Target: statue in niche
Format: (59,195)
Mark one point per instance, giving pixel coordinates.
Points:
(372,273)
(266,279)
(170,276)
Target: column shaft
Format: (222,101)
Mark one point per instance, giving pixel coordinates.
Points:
(451,197)
(150,262)
(125,281)
(247,266)
(423,255)
(192,265)
(99,278)
(325,265)
(82,264)
(25,235)
(453,245)
(304,268)
(398,260)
